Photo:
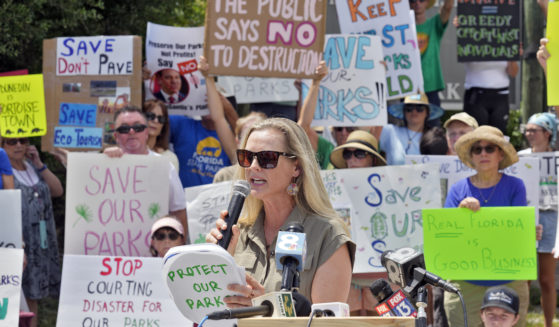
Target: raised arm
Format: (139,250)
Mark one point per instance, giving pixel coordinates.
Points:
(446,10)
(309,105)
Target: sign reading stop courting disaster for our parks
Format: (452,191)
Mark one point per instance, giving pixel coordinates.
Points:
(22,106)
(488,30)
(267,38)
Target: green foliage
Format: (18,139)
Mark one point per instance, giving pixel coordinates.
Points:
(513,129)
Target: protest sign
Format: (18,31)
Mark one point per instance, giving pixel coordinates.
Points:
(172,57)
(548,178)
(10,219)
(494,243)
(111,203)
(552,34)
(268,39)
(354,91)
(115,291)
(488,31)
(257,89)
(10,287)
(394,23)
(387,203)
(81,73)
(22,106)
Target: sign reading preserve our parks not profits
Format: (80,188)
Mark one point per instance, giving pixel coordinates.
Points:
(268,38)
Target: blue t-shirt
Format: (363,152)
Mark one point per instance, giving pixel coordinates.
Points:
(509,192)
(5,166)
(199,151)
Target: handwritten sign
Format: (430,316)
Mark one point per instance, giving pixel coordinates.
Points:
(552,34)
(354,91)
(172,57)
(77,114)
(488,31)
(10,219)
(111,203)
(10,287)
(387,203)
(269,39)
(197,277)
(548,179)
(94,55)
(497,243)
(22,106)
(257,89)
(393,22)
(78,137)
(115,291)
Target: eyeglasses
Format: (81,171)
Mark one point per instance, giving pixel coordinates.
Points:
(341,128)
(266,159)
(409,108)
(22,141)
(488,149)
(125,129)
(172,235)
(533,130)
(160,118)
(359,154)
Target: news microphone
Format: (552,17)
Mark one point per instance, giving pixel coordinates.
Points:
(391,303)
(302,304)
(265,310)
(290,252)
(332,309)
(241,189)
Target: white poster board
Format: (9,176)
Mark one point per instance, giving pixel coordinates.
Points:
(10,219)
(115,291)
(177,49)
(111,203)
(548,178)
(259,89)
(11,271)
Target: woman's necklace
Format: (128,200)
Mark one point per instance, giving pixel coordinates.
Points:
(410,139)
(490,195)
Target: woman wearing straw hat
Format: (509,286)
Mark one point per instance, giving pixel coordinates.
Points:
(359,151)
(486,151)
(540,131)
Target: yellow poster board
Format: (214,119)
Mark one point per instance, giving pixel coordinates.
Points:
(22,101)
(553,48)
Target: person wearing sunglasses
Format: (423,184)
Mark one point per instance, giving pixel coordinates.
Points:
(158,130)
(277,159)
(131,135)
(359,151)
(487,152)
(166,232)
(41,276)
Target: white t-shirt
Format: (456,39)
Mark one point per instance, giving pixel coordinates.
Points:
(486,74)
(177,199)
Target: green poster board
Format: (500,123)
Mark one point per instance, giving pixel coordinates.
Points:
(495,243)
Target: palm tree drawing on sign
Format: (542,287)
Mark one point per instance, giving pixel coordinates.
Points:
(83,213)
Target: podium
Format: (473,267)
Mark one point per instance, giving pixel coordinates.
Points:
(329,322)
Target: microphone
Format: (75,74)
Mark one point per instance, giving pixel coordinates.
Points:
(265,310)
(302,304)
(241,189)
(332,309)
(276,304)
(290,252)
(391,303)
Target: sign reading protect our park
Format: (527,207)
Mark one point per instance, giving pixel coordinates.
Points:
(267,38)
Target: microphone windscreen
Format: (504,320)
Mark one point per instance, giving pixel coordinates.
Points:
(381,289)
(302,305)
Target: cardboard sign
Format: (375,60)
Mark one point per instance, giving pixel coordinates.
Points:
(552,34)
(172,57)
(548,179)
(268,38)
(354,91)
(495,243)
(10,219)
(10,287)
(257,89)
(394,23)
(488,32)
(111,203)
(387,203)
(115,291)
(22,106)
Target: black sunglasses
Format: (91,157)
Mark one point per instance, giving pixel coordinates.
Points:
(341,128)
(22,141)
(172,235)
(266,159)
(359,154)
(125,129)
(419,109)
(488,148)
(160,118)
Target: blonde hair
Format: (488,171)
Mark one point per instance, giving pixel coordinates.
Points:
(312,197)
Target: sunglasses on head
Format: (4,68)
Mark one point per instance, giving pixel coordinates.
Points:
(477,149)
(161,235)
(125,129)
(341,128)
(160,118)
(409,108)
(359,154)
(266,159)
(22,141)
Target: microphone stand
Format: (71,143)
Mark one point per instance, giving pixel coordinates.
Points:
(421,303)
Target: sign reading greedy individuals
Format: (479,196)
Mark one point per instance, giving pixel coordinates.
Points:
(111,203)
(267,38)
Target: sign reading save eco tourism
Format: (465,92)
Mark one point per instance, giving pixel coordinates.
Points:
(115,291)
(495,243)
(267,38)
(488,32)
(111,203)
(22,106)
(10,287)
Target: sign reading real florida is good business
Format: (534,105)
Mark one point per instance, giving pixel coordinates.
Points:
(488,31)
(268,38)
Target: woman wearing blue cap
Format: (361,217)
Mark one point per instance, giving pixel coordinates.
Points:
(541,132)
